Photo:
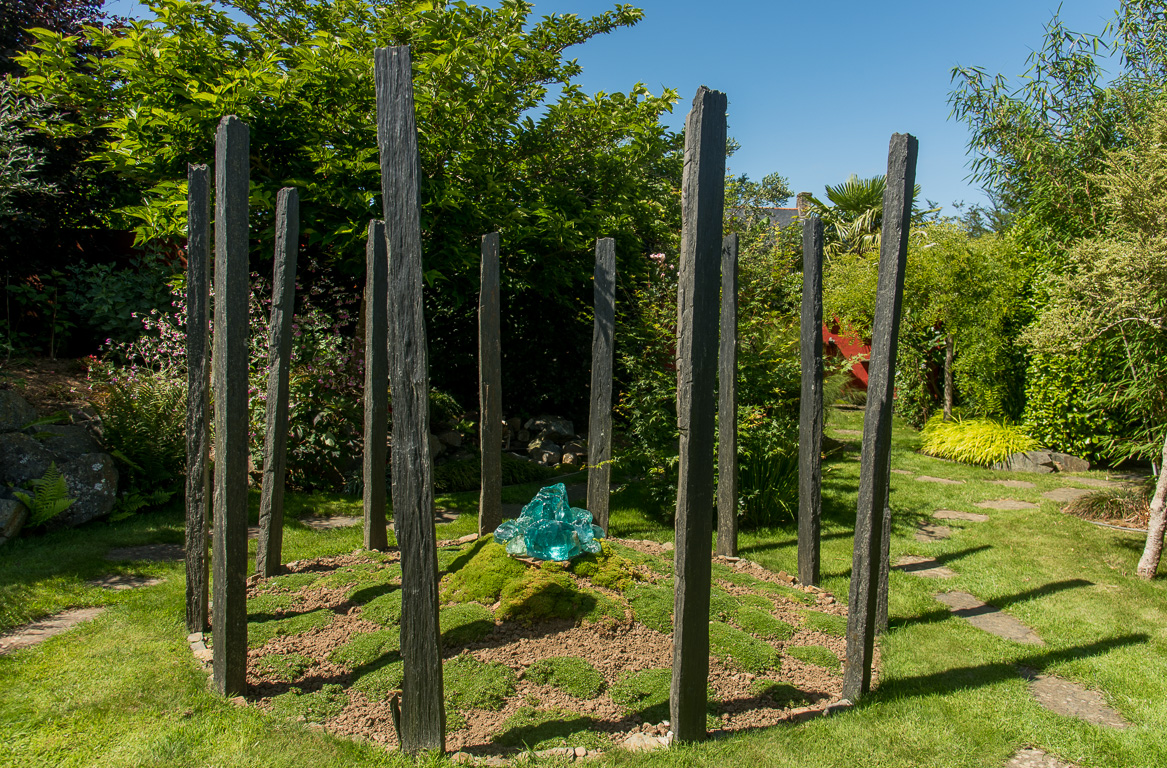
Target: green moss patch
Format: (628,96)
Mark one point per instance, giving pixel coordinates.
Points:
(259,632)
(659,565)
(827,623)
(570,674)
(382,679)
(544,594)
(292,582)
(384,610)
(722,605)
(606,569)
(367,648)
(472,684)
(645,693)
(284,668)
(268,606)
(790,593)
(363,576)
(815,654)
(465,623)
(455,720)
(536,729)
(741,651)
(479,572)
(782,694)
(315,707)
(762,623)
(652,606)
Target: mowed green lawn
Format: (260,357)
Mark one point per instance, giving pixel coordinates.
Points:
(123,689)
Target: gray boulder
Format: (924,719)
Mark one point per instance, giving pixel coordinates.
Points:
(544,450)
(555,427)
(13,516)
(22,458)
(1066,462)
(1042,462)
(92,479)
(15,412)
(66,442)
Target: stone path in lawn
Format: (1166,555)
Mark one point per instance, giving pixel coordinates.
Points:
(124,581)
(38,632)
(1096,482)
(902,472)
(932,532)
(1066,698)
(1014,483)
(924,566)
(152,552)
(984,616)
(1035,758)
(1064,495)
(849,432)
(1005,504)
(953,514)
(941,480)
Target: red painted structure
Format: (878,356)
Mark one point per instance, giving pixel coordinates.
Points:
(846,344)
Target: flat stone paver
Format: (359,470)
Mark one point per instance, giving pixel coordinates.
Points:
(125,581)
(328,523)
(1014,483)
(38,632)
(1067,494)
(1035,758)
(1096,482)
(932,532)
(953,514)
(1063,697)
(151,552)
(924,566)
(1005,504)
(902,472)
(850,432)
(941,480)
(984,616)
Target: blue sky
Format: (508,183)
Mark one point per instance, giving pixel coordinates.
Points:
(817,88)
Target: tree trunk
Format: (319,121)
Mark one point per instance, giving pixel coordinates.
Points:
(949,348)
(1149,562)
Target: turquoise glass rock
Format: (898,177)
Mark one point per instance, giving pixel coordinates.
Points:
(549,528)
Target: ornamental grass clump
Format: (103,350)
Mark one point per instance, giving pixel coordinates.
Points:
(974,441)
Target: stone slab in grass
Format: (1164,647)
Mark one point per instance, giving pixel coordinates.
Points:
(1035,758)
(1069,699)
(902,472)
(924,566)
(938,480)
(932,532)
(1013,483)
(953,514)
(1064,495)
(1010,504)
(1096,482)
(329,523)
(150,552)
(124,581)
(987,618)
(38,632)
(849,432)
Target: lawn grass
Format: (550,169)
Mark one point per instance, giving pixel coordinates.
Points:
(123,690)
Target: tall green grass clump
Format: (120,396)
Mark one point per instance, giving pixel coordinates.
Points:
(973,441)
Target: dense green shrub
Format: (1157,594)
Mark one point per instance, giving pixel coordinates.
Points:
(973,441)
(1063,411)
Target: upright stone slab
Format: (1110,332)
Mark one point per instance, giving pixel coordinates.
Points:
(376,306)
(884,571)
(874,467)
(600,417)
(810,419)
(490,389)
(229,372)
(198,395)
(702,205)
(423,715)
(268,554)
(727,403)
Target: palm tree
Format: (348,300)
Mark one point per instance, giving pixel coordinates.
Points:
(854,218)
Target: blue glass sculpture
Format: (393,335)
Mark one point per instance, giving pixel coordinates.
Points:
(549,528)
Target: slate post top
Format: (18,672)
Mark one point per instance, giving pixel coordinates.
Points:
(712,99)
(232,124)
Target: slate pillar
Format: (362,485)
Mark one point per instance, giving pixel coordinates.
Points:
(874,466)
(229,373)
(702,205)
(600,416)
(490,389)
(269,548)
(810,420)
(423,715)
(376,306)
(727,486)
(198,400)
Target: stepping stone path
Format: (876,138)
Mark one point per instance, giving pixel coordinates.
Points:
(1035,758)
(901,472)
(1069,699)
(151,552)
(1096,482)
(38,632)
(850,432)
(952,514)
(932,532)
(125,581)
(941,480)
(986,617)
(1014,483)
(1005,504)
(924,566)
(1066,494)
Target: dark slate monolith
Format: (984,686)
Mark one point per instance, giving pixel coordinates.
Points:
(229,372)
(198,395)
(884,568)
(874,468)
(600,416)
(702,205)
(727,403)
(810,420)
(490,389)
(376,306)
(423,715)
(269,548)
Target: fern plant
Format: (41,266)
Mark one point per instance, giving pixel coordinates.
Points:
(48,499)
(974,441)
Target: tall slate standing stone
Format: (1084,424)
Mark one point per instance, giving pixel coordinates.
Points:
(229,372)
(884,569)
(600,416)
(268,554)
(702,205)
(490,389)
(423,716)
(198,397)
(727,485)
(810,419)
(874,467)
(376,306)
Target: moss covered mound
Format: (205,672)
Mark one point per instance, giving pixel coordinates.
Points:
(570,674)
(536,729)
(644,693)
(466,623)
(473,684)
(283,668)
(827,623)
(817,655)
(264,628)
(367,648)
(740,650)
(479,572)
(549,593)
(315,707)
